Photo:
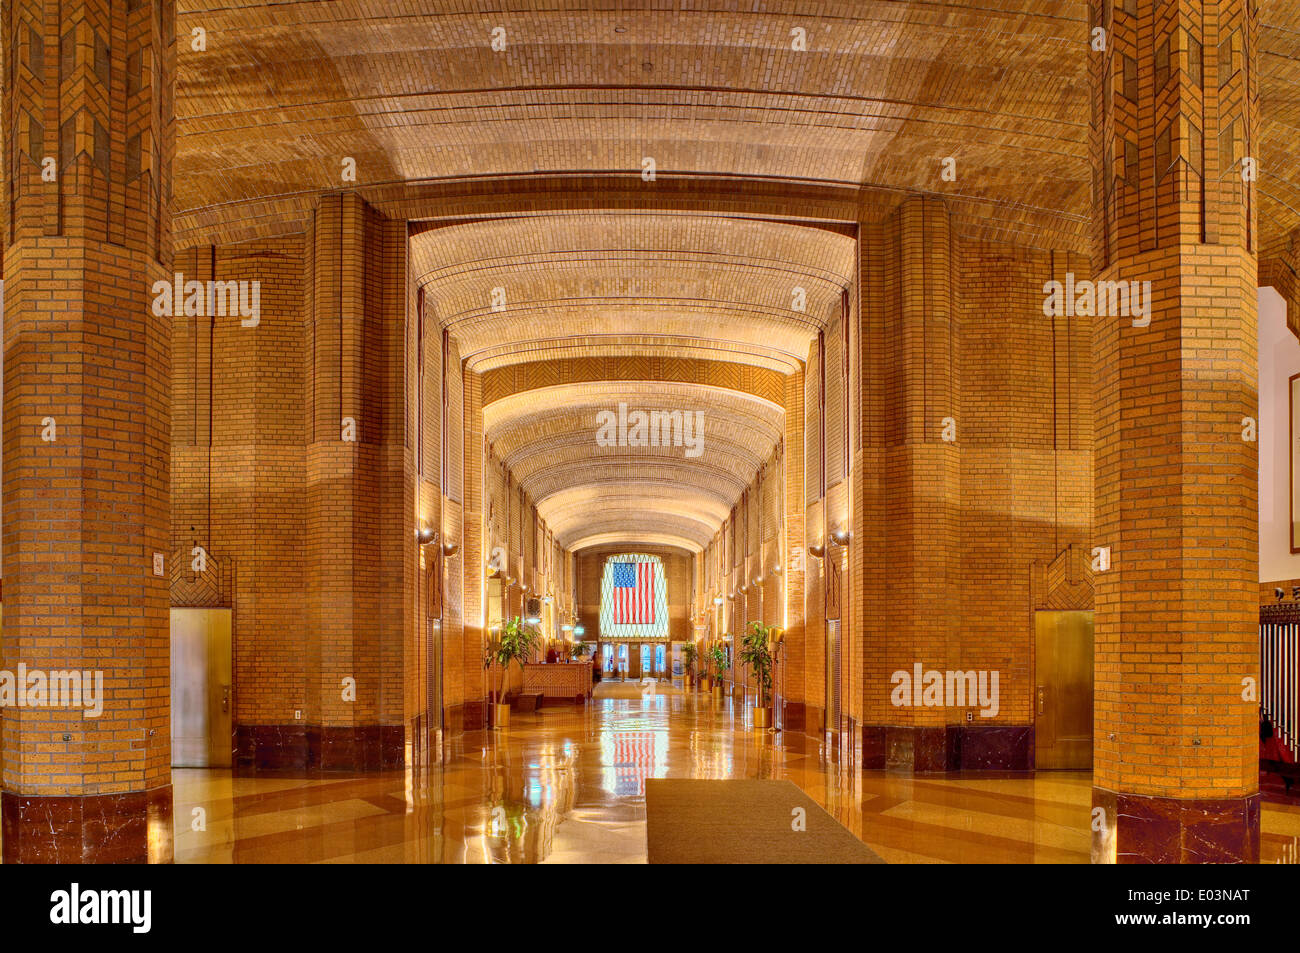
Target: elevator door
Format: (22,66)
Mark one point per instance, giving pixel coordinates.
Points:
(1063,689)
(201,702)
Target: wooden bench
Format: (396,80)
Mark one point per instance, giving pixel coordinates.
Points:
(527,701)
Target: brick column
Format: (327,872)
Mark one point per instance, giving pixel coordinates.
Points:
(358,545)
(794,705)
(87,100)
(474,634)
(1175,761)
(907,522)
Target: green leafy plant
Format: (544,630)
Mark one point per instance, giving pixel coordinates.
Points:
(689,654)
(579,651)
(758,651)
(719,659)
(514,641)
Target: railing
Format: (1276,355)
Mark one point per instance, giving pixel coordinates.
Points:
(1279,665)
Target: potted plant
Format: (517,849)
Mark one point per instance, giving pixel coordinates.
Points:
(689,652)
(719,659)
(514,641)
(579,651)
(758,651)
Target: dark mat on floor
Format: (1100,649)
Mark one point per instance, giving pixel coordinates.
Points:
(743,822)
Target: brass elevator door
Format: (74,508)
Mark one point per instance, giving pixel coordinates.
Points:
(1063,689)
(201,688)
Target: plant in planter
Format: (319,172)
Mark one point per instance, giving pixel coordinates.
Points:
(758,652)
(718,657)
(514,641)
(579,651)
(689,653)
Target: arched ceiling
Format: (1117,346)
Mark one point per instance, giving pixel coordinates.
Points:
(589,493)
(415,93)
(762,153)
(590,284)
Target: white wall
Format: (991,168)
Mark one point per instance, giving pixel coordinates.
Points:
(1279,358)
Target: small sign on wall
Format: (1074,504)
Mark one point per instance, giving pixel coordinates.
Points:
(158,569)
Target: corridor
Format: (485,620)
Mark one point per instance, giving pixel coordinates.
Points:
(567,786)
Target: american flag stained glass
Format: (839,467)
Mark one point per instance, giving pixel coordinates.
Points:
(633,600)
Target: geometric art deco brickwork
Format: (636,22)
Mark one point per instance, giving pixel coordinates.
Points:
(87,85)
(1174,129)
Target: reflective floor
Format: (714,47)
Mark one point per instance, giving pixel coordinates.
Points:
(567,785)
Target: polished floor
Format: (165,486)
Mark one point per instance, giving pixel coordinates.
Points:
(567,785)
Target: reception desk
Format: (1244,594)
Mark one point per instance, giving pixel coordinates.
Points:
(570,681)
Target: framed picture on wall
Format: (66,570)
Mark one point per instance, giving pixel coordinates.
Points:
(1293,402)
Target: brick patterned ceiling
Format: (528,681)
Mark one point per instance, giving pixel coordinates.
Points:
(585,492)
(717,96)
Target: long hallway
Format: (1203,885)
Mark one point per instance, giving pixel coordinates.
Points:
(567,785)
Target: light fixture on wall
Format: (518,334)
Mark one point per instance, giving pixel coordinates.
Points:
(777,569)
(426,534)
(756,581)
(817,552)
(450,549)
(533,611)
(841,537)
(717,600)
(744,589)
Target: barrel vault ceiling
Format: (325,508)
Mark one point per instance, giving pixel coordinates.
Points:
(416,95)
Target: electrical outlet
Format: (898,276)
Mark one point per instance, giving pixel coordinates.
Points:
(970,714)
(297,714)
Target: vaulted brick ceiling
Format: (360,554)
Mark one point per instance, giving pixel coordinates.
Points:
(415,94)
(590,493)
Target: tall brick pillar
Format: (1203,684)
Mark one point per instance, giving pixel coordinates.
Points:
(794,552)
(87,119)
(360,549)
(1175,763)
(907,489)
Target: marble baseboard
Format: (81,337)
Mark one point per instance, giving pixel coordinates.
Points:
(88,829)
(793,716)
(1140,829)
(944,748)
(315,748)
(814,721)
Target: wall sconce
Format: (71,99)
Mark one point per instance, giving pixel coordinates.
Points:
(841,537)
(777,570)
(450,549)
(548,599)
(732,595)
(817,552)
(717,600)
(426,535)
(756,581)
(744,589)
